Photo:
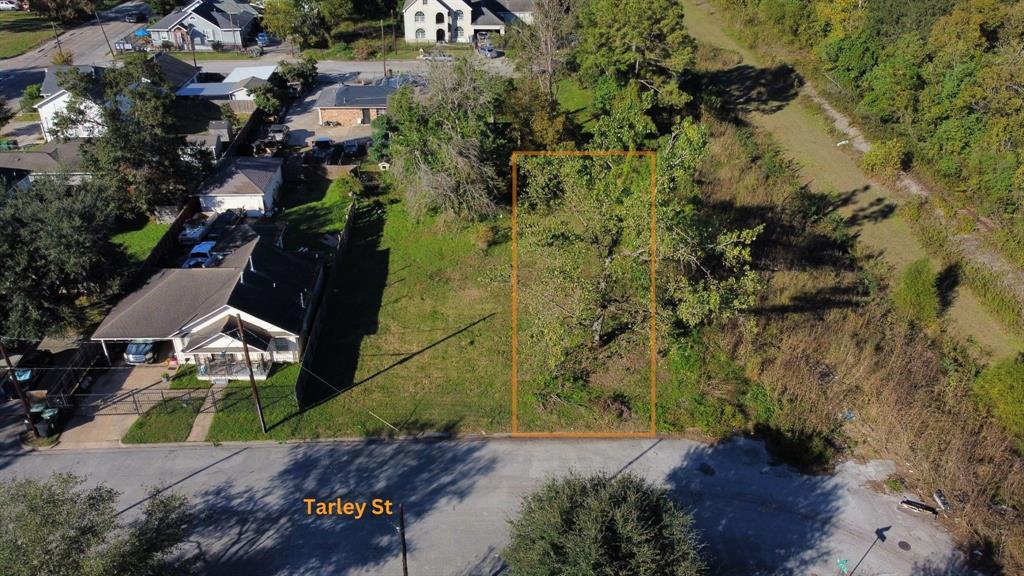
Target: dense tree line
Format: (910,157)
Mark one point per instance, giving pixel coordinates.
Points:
(946,76)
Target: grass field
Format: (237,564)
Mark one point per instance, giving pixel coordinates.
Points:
(575,100)
(315,206)
(139,238)
(417,336)
(169,421)
(21,31)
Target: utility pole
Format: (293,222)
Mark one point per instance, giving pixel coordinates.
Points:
(401,534)
(394,38)
(21,394)
(192,44)
(57,38)
(384,48)
(113,56)
(252,379)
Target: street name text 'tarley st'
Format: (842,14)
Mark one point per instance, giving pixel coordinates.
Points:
(355,509)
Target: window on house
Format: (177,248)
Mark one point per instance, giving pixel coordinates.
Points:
(439,19)
(420,34)
(420,17)
(459,15)
(460,34)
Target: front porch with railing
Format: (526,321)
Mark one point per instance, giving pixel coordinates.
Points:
(231,369)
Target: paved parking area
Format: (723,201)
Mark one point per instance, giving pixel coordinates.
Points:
(303,119)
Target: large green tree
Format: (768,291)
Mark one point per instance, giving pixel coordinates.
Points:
(62,10)
(137,153)
(59,527)
(444,144)
(643,41)
(59,256)
(541,48)
(602,526)
(300,21)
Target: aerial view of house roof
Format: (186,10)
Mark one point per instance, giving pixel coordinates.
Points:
(257,278)
(350,96)
(246,176)
(176,72)
(49,158)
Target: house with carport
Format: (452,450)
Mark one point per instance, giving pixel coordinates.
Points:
(258,292)
(201,23)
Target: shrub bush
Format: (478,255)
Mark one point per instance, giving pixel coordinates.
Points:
(885,159)
(602,525)
(217,45)
(917,297)
(1000,389)
(30,97)
(364,49)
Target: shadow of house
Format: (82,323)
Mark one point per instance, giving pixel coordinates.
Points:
(268,531)
(780,532)
(355,295)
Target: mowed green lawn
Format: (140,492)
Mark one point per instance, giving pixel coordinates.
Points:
(168,421)
(417,338)
(21,31)
(139,238)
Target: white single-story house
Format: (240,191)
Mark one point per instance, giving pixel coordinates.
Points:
(56,100)
(175,74)
(201,23)
(461,20)
(249,184)
(273,291)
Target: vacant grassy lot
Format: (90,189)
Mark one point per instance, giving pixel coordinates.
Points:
(20,32)
(417,338)
(169,421)
(139,238)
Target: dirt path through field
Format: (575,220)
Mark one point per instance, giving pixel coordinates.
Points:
(870,207)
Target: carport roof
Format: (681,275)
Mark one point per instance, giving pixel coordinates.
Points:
(170,299)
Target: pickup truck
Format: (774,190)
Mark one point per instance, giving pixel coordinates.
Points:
(195,228)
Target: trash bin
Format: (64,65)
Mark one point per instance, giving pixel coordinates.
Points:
(51,415)
(36,411)
(44,428)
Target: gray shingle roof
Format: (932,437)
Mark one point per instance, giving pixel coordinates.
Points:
(260,279)
(167,21)
(51,157)
(51,81)
(170,299)
(175,72)
(247,176)
(345,96)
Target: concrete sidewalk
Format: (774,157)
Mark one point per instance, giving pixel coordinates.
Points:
(201,426)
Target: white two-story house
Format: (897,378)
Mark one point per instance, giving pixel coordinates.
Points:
(461,20)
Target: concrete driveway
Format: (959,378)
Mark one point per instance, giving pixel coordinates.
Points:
(755,517)
(106,427)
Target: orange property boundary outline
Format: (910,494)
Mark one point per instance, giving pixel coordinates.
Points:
(652,156)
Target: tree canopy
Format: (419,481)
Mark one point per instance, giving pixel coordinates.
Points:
(58,526)
(602,526)
(59,255)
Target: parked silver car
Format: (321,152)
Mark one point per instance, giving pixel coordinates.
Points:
(140,352)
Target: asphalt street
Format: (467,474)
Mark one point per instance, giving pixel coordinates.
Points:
(756,518)
(85,41)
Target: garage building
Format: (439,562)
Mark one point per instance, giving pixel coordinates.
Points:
(352,105)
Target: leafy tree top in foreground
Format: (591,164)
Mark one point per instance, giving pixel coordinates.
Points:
(60,528)
(602,526)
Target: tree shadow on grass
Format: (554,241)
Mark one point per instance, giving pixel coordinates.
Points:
(947,283)
(244,529)
(778,529)
(746,88)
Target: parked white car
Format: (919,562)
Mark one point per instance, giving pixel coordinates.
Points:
(9,5)
(195,229)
